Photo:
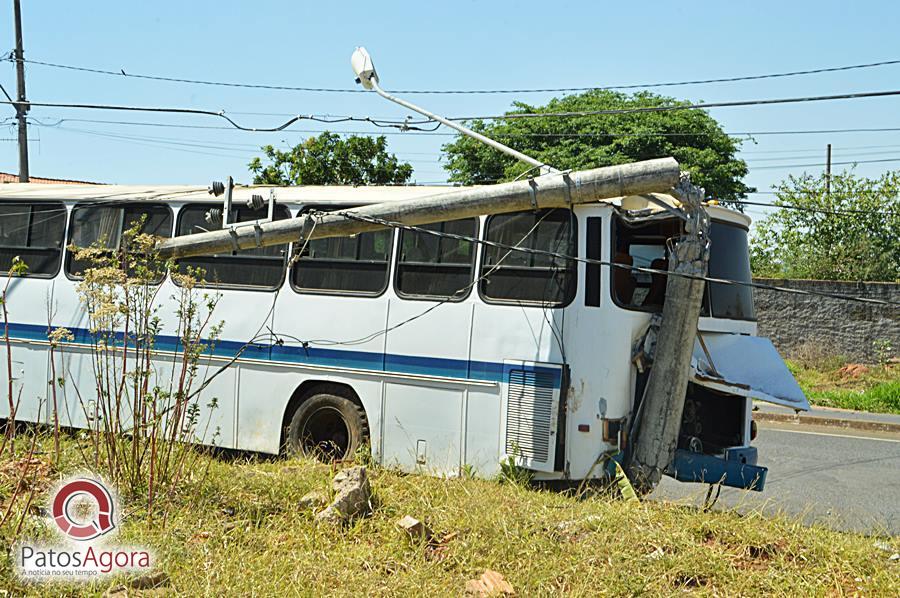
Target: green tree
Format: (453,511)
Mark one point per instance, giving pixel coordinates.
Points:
(693,137)
(859,242)
(330,160)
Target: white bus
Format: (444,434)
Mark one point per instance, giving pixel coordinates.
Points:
(430,349)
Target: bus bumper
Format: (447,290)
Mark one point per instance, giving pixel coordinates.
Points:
(736,468)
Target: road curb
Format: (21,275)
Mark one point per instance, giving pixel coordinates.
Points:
(834,422)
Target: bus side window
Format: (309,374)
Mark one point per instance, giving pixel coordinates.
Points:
(513,276)
(35,232)
(260,268)
(437,267)
(106,225)
(356,265)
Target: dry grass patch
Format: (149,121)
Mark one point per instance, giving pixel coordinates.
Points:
(241,532)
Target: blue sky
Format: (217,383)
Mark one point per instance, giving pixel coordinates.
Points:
(436,45)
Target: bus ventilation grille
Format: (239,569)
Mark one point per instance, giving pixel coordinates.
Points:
(529,418)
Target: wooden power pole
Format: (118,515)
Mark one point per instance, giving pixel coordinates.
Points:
(21,102)
(828,170)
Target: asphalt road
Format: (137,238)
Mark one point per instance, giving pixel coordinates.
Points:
(843,480)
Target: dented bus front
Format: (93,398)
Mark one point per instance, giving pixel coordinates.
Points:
(730,367)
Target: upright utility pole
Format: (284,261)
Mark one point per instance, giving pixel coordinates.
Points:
(22,105)
(828,170)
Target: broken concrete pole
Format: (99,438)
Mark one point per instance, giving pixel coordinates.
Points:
(548,191)
(415,529)
(659,415)
(352,495)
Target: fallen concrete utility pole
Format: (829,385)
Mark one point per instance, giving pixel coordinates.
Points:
(658,419)
(547,191)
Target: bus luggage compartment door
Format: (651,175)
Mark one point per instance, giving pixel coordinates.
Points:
(531,394)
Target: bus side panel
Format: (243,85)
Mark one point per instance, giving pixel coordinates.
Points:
(27,306)
(483,431)
(422,428)
(502,332)
(214,420)
(29,382)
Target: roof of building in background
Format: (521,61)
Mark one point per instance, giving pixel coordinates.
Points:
(7,177)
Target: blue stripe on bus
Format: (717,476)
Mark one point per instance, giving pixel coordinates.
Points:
(486,371)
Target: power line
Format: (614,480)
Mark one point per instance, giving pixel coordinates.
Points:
(405,125)
(498,134)
(123,74)
(822,164)
(807,156)
(818,150)
(809,209)
(676,107)
(408,124)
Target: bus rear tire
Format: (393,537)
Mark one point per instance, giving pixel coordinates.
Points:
(328,427)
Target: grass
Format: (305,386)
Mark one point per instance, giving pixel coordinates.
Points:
(832,383)
(240,532)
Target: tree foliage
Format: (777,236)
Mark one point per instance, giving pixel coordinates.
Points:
(693,137)
(330,160)
(860,242)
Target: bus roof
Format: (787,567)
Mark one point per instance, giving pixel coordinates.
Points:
(318,195)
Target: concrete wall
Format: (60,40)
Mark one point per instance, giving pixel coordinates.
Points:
(846,328)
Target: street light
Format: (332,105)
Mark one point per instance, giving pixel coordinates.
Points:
(367,76)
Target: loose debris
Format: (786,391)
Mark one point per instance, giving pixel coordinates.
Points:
(352,496)
(415,529)
(437,546)
(490,583)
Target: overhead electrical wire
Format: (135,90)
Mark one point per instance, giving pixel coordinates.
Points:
(405,124)
(677,107)
(823,164)
(59,121)
(411,124)
(744,202)
(121,73)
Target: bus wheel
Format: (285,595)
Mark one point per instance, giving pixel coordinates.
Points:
(328,427)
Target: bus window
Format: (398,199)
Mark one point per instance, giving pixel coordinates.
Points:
(437,267)
(35,232)
(260,268)
(524,277)
(106,225)
(356,265)
(641,246)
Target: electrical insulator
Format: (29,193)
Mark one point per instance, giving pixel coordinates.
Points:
(256,202)
(216,188)
(213,217)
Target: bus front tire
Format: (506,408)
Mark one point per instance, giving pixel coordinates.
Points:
(328,427)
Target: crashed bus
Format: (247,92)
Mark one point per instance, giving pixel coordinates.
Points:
(448,347)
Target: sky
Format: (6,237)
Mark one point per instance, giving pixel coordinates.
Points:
(433,45)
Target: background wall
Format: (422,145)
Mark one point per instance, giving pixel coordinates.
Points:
(846,328)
